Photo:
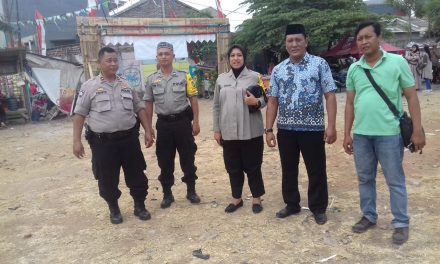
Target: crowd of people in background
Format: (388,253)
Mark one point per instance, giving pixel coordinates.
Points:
(424,63)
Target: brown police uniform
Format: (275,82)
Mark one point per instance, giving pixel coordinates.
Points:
(174,129)
(113,135)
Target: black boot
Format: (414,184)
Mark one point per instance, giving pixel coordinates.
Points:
(191,194)
(115,213)
(141,212)
(168,198)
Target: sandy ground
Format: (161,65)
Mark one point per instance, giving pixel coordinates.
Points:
(51,211)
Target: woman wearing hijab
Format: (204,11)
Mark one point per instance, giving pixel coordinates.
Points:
(238,127)
(413,58)
(425,67)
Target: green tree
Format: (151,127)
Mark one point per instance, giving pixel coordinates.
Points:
(409,7)
(432,11)
(325,21)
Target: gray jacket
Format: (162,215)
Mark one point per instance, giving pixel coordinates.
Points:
(231,115)
(425,68)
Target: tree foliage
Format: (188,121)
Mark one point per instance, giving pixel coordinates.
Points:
(409,6)
(325,21)
(432,11)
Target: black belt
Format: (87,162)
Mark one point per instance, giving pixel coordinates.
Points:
(111,136)
(174,117)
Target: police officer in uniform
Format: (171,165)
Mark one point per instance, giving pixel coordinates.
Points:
(177,122)
(110,106)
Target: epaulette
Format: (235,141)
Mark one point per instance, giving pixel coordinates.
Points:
(182,71)
(89,81)
(153,73)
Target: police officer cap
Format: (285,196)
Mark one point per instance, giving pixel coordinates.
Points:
(165,45)
(295,29)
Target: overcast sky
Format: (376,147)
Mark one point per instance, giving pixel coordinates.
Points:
(231,8)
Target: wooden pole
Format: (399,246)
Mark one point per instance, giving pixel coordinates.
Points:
(223,43)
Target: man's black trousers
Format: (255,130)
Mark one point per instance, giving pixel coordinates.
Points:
(175,135)
(108,156)
(311,145)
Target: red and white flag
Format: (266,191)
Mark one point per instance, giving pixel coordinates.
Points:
(219,9)
(41,33)
(92,6)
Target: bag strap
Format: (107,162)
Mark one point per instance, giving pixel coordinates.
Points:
(382,93)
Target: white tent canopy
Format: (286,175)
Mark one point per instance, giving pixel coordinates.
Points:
(145,46)
(49,80)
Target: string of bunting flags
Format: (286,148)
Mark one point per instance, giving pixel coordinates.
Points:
(89,11)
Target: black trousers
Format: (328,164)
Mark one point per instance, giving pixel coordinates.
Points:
(108,156)
(244,156)
(436,74)
(172,136)
(2,112)
(312,148)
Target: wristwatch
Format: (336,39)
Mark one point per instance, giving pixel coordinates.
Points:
(268,130)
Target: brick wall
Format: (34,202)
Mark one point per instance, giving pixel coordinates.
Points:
(65,51)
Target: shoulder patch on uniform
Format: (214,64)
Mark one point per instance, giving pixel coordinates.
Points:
(81,93)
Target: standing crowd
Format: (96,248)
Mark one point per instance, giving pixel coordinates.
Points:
(112,114)
(424,64)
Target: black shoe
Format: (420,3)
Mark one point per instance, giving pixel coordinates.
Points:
(400,235)
(232,207)
(141,212)
(320,219)
(167,201)
(257,208)
(286,211)
(363,225)
(193,197)
(115,214)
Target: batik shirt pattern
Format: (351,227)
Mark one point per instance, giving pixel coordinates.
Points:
(299,89)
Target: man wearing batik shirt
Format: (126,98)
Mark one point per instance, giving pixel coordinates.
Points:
(296,88)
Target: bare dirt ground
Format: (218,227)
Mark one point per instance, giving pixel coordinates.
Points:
(50,210)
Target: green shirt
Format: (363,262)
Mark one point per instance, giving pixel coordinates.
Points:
(372,117)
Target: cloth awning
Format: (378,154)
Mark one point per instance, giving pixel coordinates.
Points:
(145,46)
(347,47)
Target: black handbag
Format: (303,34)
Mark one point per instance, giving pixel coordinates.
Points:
(257,91)
(406,125)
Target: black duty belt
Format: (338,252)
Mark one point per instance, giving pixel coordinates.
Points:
(174,117)
(111,136)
